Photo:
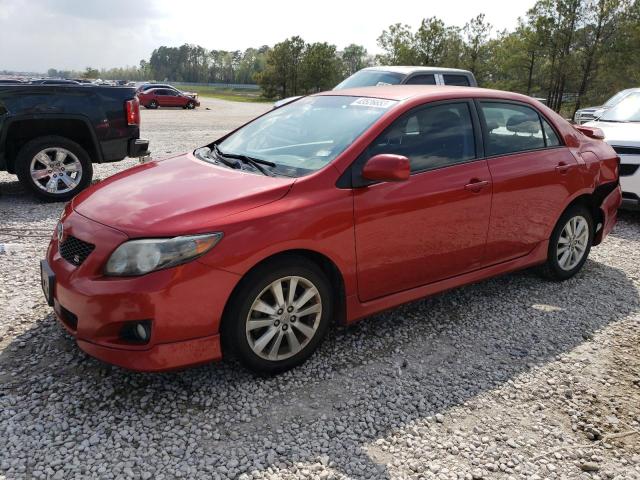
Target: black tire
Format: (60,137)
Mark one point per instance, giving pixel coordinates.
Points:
(552,270)
(37,145)
(153,104)
(234,333)
(191,105)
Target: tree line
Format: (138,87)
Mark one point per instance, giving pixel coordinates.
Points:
(568,52)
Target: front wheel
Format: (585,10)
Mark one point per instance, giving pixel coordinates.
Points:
(279,315)
(570,244)
(153,104)
(191,105)
(54,168)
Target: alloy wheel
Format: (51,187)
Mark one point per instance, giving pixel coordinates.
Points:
(283,318)
(572,243)
(55,170)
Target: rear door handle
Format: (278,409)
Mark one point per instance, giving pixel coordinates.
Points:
(562,167)
(476,185)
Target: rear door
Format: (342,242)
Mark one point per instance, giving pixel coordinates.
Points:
(434,225)
(162,97)
(532,177)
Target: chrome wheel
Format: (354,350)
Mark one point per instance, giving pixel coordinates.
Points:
(55,170)
(283,318)
(572,243)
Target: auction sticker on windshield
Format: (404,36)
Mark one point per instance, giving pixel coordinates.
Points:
(373,102)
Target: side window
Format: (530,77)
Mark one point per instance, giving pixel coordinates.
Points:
(431,137)
(459,80)
(423,79)
(550,135)
(511,128)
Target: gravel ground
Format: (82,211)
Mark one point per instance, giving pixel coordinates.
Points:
(511,378)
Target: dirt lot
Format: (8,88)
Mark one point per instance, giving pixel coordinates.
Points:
(510,378)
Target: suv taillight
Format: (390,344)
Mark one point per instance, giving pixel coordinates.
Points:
(133,111)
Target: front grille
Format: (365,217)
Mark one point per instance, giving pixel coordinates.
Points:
(75,251)
(626,150)
(626,169)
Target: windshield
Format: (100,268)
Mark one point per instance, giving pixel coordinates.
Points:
(616,98)
(627,110)
(370,78)
(306,135)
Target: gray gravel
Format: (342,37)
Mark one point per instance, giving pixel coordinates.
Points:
(511,378)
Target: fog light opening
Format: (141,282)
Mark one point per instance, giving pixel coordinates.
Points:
(136,332)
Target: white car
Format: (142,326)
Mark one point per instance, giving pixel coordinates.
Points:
(621,127)
(589,114)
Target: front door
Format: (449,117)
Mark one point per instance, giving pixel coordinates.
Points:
(433,226)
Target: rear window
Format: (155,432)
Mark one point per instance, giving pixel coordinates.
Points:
(459,80)
(422,79)
(370,78)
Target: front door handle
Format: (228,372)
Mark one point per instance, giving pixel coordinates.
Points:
(476,185)
(562,168)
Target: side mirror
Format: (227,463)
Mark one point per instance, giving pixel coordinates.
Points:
(591,132)
(387,168)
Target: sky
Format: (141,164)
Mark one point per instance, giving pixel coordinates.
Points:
(73,34)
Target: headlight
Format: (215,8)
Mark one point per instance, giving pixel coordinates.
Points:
(138,257)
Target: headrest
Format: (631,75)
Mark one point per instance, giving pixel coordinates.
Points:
(523,124)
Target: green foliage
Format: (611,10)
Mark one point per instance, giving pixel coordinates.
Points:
(294,67)
(90,73)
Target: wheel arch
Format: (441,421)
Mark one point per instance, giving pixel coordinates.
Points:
(593,201)
(328,267)
(22,130)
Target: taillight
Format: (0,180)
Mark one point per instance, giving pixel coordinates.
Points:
(133,111)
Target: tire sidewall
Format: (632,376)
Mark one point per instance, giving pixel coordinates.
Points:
(31,148)
(234,323)
(552,261)
(153,104)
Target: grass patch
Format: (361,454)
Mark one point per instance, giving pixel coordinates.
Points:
(232,94)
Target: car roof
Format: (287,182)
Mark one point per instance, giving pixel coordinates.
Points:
(408,69)
(426,92)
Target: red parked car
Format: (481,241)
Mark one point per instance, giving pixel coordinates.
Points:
(332,208)
(165,97)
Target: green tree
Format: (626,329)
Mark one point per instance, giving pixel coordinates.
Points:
(398,45)
(320,67)
(90,73)
(354,58)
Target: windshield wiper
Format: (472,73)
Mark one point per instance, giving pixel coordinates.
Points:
(255,162)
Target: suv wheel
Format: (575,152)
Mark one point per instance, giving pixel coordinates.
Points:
(570,244)
(280,317)
(54,168)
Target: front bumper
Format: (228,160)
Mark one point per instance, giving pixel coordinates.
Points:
(184,304)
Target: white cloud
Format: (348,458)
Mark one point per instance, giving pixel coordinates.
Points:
(65,34)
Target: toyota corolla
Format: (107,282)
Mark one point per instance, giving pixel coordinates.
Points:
(327,210)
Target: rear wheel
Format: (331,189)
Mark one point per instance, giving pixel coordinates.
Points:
(279,315)
(570,244)
(54,168)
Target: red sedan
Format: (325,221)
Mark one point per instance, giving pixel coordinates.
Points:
(330,209)
(165,97)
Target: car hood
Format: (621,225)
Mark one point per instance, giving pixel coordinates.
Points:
(176,196)
(620,134)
